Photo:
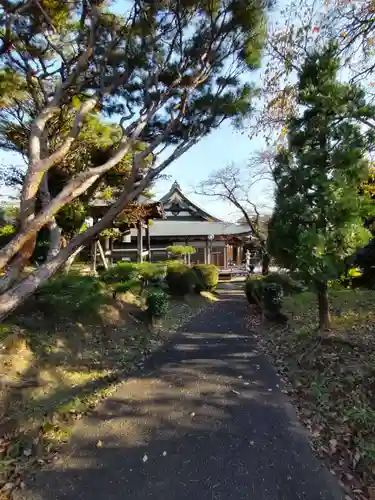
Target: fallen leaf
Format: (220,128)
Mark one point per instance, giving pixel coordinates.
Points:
(99,444)
(8,487)
(145,458)
(333,445)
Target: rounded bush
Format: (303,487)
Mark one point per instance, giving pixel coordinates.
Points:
(180,279)
(157,303)
(288,284)
(272,297)
(253,289)
(258,289)
(150,272)
(122,271)
(207,276)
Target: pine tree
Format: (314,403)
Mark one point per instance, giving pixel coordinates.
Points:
(318,217)
(171,72)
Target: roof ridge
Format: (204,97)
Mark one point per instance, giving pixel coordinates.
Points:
(176,187)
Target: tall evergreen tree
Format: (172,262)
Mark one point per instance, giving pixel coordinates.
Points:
(172,71)
(318,217)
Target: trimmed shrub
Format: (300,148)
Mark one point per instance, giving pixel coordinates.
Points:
(179,251)
(253,289)
(150,272)
(120,272)
(207,277)
(127,286)
(157,303)
(272,297)
(258,289)
(71,295)
(180,279)
(288,284)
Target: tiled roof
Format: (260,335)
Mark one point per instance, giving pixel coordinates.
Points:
(196,228)
(176,190)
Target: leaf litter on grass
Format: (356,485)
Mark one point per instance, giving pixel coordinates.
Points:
(331,380)
(80,365)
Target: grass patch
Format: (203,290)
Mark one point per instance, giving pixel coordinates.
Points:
(57,371)
(332,379)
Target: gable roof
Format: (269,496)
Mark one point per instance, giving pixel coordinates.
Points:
(175,192)
(196,228)
(183,229)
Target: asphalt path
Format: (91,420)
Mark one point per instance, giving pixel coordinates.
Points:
(204,420)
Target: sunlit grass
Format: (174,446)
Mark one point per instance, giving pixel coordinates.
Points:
(350,310)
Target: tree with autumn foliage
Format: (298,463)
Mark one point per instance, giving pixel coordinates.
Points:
(298,28)
(170,73)
(318,218)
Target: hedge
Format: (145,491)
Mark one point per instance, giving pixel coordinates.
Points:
(120,272)
(125,271)
(149,271)
(180,279)
(207,276)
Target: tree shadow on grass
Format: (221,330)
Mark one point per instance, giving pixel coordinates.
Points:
(204,420)
(70,362)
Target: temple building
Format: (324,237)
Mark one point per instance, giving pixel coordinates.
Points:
(176,220)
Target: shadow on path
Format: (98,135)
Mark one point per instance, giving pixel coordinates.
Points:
(205,420)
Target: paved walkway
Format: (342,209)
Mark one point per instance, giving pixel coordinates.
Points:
(205,422)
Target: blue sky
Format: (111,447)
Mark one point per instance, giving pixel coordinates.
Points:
(221,148)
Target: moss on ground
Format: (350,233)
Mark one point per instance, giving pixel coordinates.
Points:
(331,378)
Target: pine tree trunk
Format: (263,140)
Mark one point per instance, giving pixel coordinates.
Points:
(323,305)
(54,239)
(17,265)
(15,296)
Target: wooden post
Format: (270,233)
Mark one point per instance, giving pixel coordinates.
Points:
(93,255)
(238,256)
(111,245)
(102,256)
(226,256)
(210,244)
(139,242)
(148,241)
(206,250)
(188,256)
